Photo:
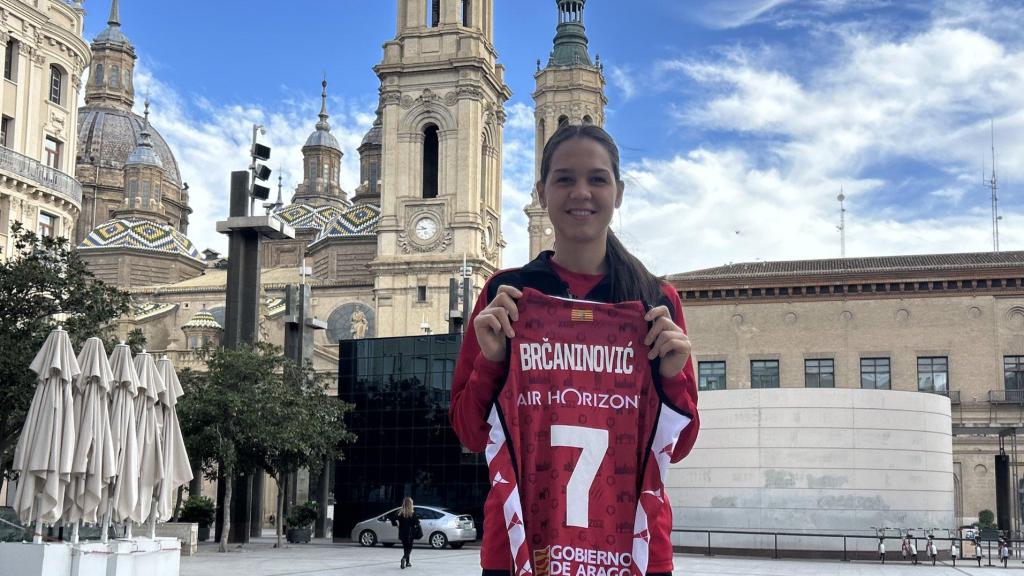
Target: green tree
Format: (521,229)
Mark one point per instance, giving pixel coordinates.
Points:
(303,428)
(255,410)
(40,278)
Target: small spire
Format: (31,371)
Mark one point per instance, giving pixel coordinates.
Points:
(279,186)
(144,133)
(323,124)
(115,16)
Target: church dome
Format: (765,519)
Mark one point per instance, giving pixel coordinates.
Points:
(358,220)
(373,137)
(202,319)
(140,234)
(322,138)
(303,216)
(107,137)
(322,135)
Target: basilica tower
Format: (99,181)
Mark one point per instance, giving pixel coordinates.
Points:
(570,89)
(442,94)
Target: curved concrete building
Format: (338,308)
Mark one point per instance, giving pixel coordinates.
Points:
(814,460)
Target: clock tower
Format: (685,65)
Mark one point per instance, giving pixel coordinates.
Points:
(442,96)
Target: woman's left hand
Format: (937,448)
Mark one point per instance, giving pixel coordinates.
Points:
(667,341)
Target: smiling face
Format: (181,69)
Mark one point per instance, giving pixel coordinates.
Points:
(580,192)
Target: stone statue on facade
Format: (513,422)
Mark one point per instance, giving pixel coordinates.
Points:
(359,325)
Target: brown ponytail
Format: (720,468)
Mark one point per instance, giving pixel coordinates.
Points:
(629,278)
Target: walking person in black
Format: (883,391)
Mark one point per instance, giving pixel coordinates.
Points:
(409,529)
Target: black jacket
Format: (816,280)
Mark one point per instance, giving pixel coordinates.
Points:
(405,526)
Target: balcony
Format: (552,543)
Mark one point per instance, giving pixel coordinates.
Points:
(1006,396)
(49,179)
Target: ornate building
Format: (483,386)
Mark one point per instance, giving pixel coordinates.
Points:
(570,89)
(44,56)
(950,325)
(135,209)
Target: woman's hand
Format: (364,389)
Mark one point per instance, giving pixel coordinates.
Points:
(667,341)
(494,323)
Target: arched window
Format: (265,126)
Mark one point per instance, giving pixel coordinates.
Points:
(431,155)
(563,120)
(588,120)
(133,192)
(467,12)
(98,75)
(56,84)
(115,76)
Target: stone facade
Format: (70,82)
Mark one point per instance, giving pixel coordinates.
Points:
(441,99)
(965,308)
(44,56)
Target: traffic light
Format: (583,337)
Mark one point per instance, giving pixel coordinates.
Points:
(260,172)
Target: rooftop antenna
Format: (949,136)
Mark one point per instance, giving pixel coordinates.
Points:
(842,222)
(993,185)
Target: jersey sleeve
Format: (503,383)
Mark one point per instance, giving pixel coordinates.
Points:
(474,386)
(682,388)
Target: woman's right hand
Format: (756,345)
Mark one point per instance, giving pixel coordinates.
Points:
(494,323)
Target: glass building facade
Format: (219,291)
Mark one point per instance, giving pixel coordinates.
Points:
(400,388)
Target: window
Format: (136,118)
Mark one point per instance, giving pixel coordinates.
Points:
(764,373)
(6,131)
(588,120)
(434,13)
(1013,377)
(421,293)
(711,376)
(562,121)
(47,224)
(56,84)
(933,374)
(11,61)
(98,75)
(467,13)
(430,161)
(820,373)
(115,76)
(874,373)
(373,177)
(51,152)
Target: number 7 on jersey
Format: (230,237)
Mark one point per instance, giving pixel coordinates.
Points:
(594,443)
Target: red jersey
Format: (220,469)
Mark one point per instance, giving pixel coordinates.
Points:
(477,382)
(580,439)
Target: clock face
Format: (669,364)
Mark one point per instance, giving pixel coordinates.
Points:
(426,228)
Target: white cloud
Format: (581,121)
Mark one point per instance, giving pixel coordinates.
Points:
(923,101)
(211,139)
(517,182)
(622,78)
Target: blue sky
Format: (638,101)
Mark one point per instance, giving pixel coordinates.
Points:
(739,120)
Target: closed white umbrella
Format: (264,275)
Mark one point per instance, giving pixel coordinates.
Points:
(177,469)
(45,449)
(93,466)
(125,437)
(149,431)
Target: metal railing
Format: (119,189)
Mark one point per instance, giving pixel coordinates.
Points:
(1006,396)
(49,178)
(989,544)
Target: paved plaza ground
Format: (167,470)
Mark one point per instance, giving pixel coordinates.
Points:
(326,559)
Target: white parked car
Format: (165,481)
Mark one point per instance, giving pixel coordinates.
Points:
(440,528)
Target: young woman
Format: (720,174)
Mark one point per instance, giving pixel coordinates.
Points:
(408,524)
(580,186)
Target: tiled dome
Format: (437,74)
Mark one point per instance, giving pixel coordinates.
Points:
(358,220)
(140,234)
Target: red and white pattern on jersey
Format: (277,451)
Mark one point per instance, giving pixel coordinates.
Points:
(569,436)
(503,480)
(652,494)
